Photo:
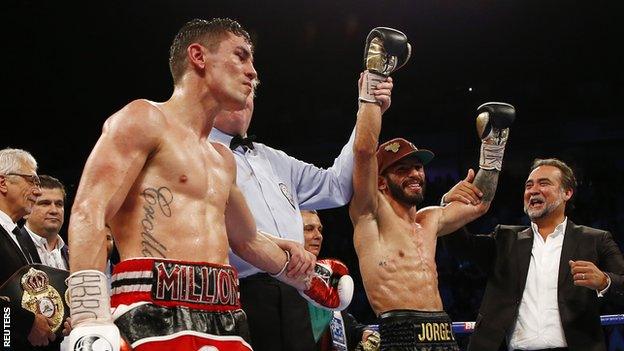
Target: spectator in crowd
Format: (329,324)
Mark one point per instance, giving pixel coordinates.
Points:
(44,223)
(545,281)
(338,328)
(19,190)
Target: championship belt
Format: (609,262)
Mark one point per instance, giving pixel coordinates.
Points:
(40,289)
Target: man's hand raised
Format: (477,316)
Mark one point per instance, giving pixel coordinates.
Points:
(464,191)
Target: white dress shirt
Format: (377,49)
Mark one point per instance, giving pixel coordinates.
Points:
(52,258)
(8,225)
(276,186)
(539,324)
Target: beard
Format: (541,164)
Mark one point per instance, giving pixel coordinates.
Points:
(545,211)
(402,196)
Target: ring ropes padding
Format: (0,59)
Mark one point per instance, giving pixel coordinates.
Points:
(468,327)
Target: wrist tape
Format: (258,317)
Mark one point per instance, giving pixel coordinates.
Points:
(87,297)
(491,156)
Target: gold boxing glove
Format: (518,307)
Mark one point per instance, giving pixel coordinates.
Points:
(386,51)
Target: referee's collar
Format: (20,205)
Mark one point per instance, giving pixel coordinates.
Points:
(222,137)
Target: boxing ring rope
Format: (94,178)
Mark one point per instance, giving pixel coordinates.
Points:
(468,327)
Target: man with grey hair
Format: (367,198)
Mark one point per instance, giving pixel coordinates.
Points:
(19,189)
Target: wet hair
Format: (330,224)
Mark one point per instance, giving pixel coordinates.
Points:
(568,180)
(208,33)
(49,182)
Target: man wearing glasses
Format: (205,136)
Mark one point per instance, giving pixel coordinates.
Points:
(19,189)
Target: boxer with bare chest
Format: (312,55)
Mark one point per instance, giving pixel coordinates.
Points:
(171,201)
(396,242)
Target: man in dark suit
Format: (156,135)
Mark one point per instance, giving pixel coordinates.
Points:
(545,282)
(19,189)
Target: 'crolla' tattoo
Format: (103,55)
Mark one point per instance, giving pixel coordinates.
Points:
(487,180)
(160,198)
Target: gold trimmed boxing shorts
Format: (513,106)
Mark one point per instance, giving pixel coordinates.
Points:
(410,330)
(161,304)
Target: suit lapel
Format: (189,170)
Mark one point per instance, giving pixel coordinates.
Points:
(570,243)
(14,246)
(524,245)
(27,242)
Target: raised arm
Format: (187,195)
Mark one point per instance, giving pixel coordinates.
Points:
(319,188)
(457,214)
(464,191)
(493,121)
(367,129)
(386,51)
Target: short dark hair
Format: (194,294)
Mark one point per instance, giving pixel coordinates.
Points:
(568,180)
(209,33)
(49,182)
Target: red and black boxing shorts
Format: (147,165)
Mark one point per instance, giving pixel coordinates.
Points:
(416,331)
(161,304)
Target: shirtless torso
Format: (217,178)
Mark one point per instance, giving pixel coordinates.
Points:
(399,269)
(178,200)
(395,241)
(170,199)
(164,190)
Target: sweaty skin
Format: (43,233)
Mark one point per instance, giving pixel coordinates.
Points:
(399,270)
(163,189)
(396,242)
(178,201)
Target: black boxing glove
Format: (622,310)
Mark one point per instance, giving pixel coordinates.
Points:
(493,121)
(386,51)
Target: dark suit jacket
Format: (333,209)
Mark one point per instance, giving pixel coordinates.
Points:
(12,259)
(505,255)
